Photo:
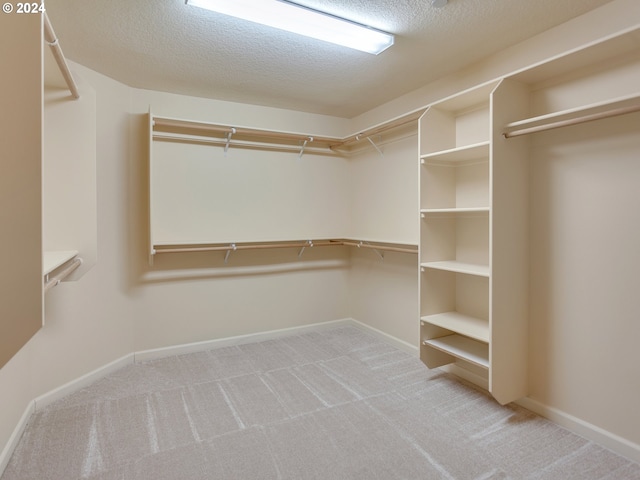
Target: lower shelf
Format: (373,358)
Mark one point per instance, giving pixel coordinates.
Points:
(462,347)
(475,328)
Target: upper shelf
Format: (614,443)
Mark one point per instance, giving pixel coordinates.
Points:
(595,53)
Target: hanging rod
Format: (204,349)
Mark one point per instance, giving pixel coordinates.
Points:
(228,142)
(52,41)
(577,116)
(174,129)
(51,282)
(379,246)
(162,123)
(284,244)
(242,246)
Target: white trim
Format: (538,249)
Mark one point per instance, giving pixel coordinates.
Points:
(81,382)
(162,352)
(592,432)
(15,437)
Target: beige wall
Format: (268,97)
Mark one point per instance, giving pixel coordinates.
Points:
(122,305)
(584,304)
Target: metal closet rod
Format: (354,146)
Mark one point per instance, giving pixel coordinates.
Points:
(314,140)
(52,40)
(227,142)
(287,244)
(572,121)
(235,131)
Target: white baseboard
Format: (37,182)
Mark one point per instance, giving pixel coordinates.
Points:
(81,382)
(598,435)
(53,395)
(156,353)
(12,443)
(602,437)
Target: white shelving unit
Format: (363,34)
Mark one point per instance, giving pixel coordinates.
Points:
(474,202)
(460,266)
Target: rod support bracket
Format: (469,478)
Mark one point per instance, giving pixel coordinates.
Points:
(232,248)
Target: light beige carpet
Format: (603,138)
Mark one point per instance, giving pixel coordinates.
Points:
(334,404)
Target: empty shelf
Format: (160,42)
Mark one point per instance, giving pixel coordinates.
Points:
(53,260)
(459,267)
(473,327)
(461,347)
(459,154)
(427,211)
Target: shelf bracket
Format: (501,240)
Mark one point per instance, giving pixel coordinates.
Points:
(380,254)
(309,244)
(233,248)
(310,139)
(228,141)
(375,146)
(358,138)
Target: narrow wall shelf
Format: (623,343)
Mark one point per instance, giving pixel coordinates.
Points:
(459,267)
(57,266)
(54,260)
(462,347)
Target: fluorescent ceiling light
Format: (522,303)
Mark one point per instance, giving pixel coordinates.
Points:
(303,21)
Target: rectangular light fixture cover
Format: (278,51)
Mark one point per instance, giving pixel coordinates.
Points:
(295,18)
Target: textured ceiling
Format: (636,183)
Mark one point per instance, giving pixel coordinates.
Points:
(168,46)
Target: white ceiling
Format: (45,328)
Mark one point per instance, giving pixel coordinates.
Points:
(168,46)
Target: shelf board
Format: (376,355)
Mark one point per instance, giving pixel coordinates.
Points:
(428,211)
(461,347)
(594,53)
(467,99)
(458,155)
(55,259)
(473,327)
(459,267)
